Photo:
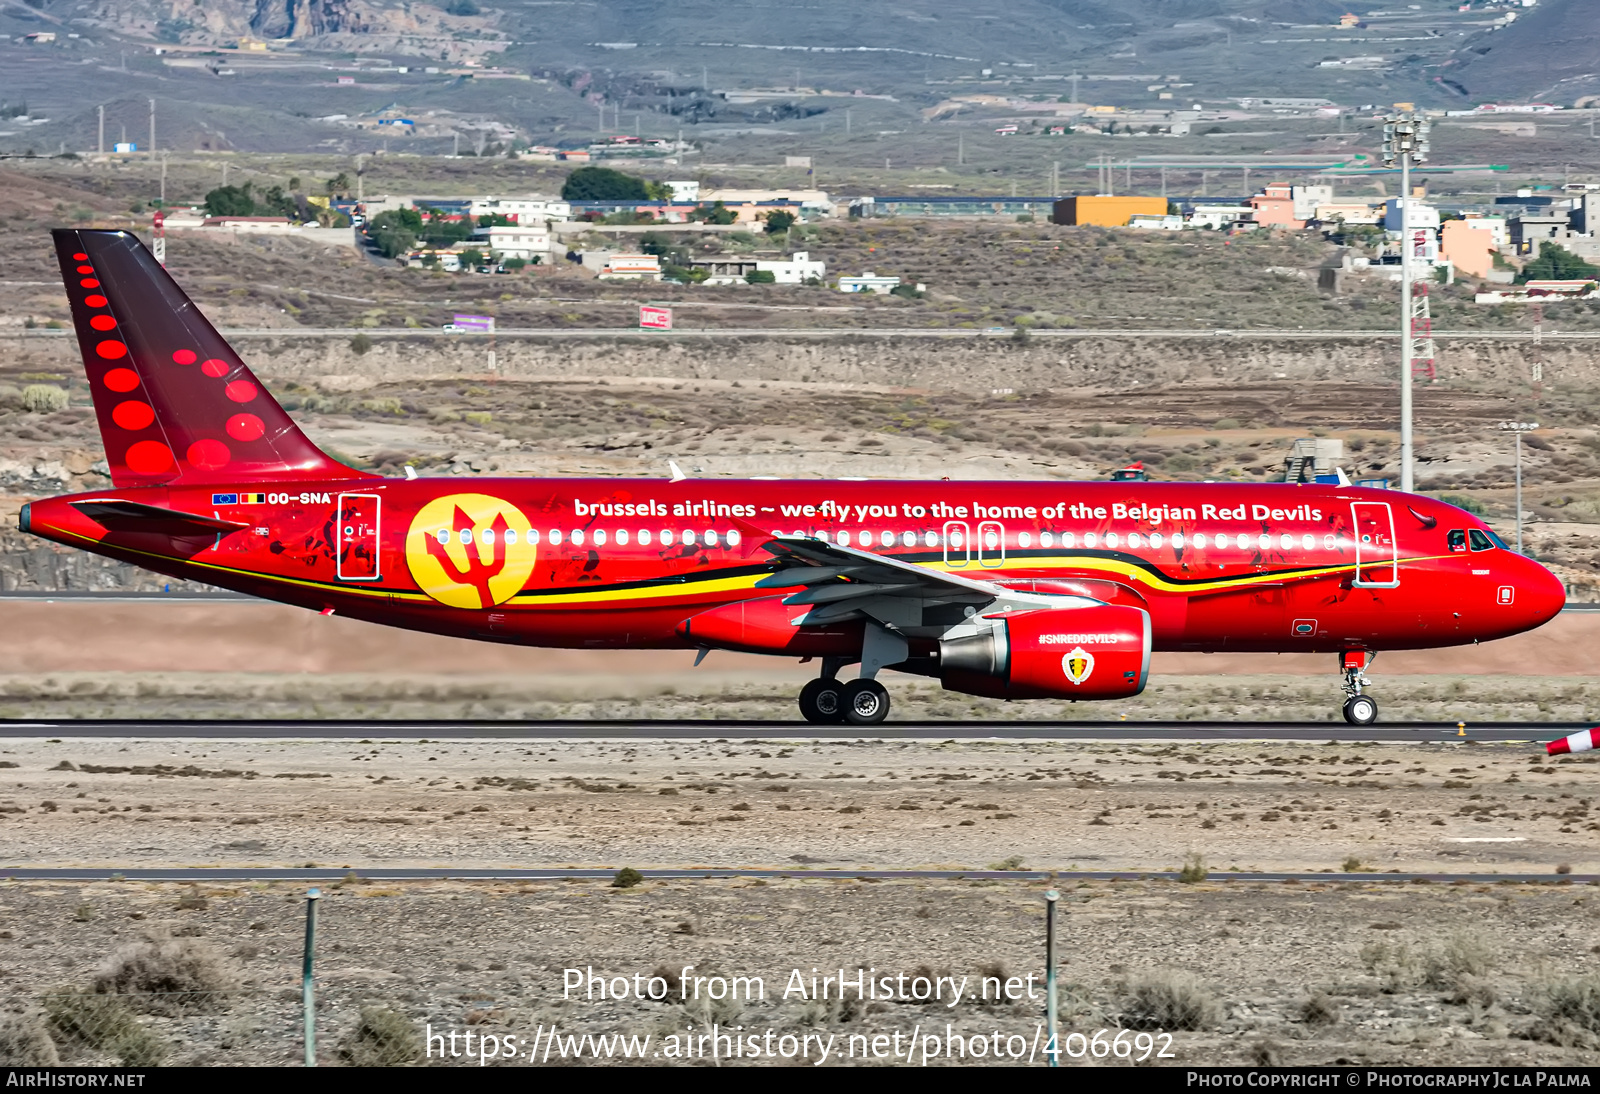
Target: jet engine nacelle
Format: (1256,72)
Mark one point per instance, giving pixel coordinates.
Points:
(1101,652)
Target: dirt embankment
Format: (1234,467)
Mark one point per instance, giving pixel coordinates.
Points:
(956,364)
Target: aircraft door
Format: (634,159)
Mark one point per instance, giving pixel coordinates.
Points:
(356,537)
(957,544)
(1377,553)
(991,544)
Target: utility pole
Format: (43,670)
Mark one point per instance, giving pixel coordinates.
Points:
(961,149)
(1074,78)
(1163,182)
(152,127)
(1405,138)
(1055,179)
(163,180)
(1517,429)
(100,145)
(600,130)
(847,121)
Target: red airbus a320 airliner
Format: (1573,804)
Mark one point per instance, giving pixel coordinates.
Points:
(1013,590)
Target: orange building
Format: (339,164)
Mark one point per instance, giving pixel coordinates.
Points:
(1470,250)
(1274,207)
(1107,212)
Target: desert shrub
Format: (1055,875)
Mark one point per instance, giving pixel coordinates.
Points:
(25,1041)
(1319,1010)
(170,976)
(1574,1001)
(1194,869)
(360,344)
(106,1024)
(1461,501)
(383,1038)
(1458,964)
(1169,1000)
(626,878)
(43,398)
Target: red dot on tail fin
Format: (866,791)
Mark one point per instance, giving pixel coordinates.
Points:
(111,349)
(214,367)
(95,300)
(102,322)
(90,283)
(184,356)
(86,269)
(245,427)
(208,455)
(148,458)
(122,379)
(133,415)
(80,257)
(240,391)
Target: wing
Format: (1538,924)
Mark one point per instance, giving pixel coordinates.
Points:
(837,582)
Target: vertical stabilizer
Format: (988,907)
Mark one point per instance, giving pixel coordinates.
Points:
(174,401)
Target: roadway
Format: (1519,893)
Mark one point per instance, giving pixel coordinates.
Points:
(1077,333)
(546,873)
(1532,734)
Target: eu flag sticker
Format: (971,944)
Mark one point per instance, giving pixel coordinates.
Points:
(224,499)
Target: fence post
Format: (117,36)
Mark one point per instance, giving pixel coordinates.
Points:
(1052,1046)
(308,999)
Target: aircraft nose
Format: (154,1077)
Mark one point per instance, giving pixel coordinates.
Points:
(1539,593)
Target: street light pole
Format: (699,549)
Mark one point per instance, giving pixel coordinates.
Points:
(1407,450)
(1405,138)
(1517,429)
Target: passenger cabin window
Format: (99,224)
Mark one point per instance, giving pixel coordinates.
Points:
(1481,542)
(1456,540)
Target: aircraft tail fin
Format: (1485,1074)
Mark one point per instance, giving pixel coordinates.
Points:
(175,403)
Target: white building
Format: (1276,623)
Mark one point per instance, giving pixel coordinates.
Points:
(515,241)
(1351,212)
(1495,226)
(797,269)
(1307,198)
(1219,216)
(684,192)
(522,211)
(810,201)
(1162,223)
(868,282)
(631,267)
(1420,215)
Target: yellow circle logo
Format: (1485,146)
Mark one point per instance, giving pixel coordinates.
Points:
(470,550)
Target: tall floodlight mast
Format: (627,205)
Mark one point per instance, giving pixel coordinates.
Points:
(1405,139)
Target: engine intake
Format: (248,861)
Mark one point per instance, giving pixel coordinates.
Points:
(1102,652)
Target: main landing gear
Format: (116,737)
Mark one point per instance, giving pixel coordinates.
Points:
(1359,709)
(829,701)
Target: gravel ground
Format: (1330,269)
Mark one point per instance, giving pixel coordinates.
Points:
(1289,974)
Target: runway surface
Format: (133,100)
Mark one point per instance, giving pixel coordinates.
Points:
(445,873)
(1530,733)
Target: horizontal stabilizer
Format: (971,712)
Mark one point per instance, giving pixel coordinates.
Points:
(115,515)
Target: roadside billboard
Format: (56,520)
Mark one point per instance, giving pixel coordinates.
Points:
(654,318)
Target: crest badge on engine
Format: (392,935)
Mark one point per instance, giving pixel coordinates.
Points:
(1078,664)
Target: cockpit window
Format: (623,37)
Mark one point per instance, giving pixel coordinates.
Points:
(1456,540)
(1496,540)
(1482,542)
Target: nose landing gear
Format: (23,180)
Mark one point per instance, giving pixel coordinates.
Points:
(1359,709)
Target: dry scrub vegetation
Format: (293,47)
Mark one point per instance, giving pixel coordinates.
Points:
(1282,974)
